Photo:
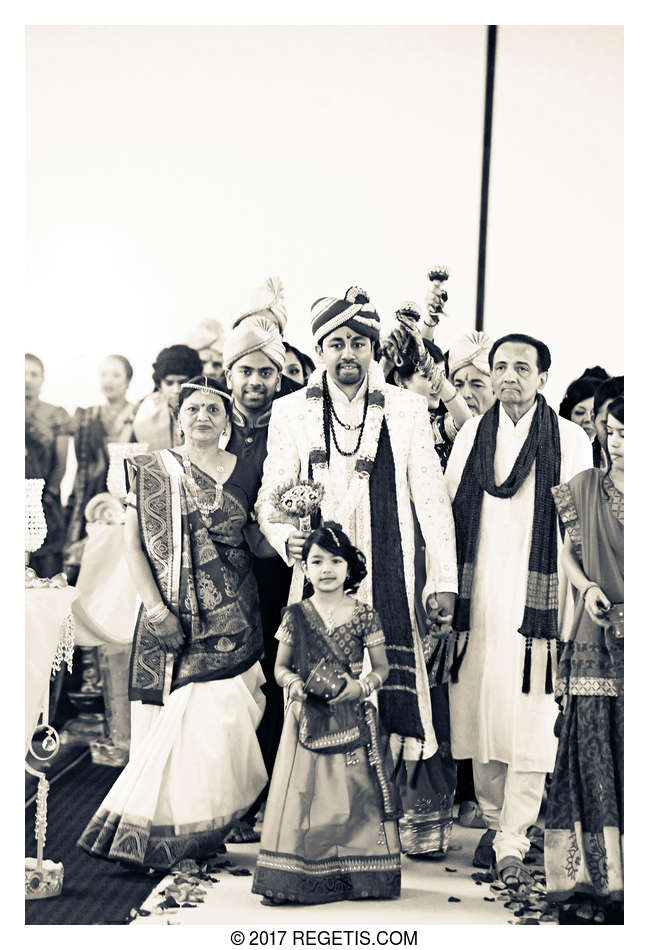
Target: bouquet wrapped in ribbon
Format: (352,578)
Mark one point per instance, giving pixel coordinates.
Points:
(297,500)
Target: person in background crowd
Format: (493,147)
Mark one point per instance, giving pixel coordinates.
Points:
(254,359)
(427,824)
(422,370)
(577,404)
(595,372)
(155,419)
(468,370)
(585,814)
(95,427)
(605,393)
(298,365)
(370,445)
(207,340)
(499,475)
(194,683)
(47,429)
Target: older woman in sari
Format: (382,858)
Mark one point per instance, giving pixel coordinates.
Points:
(585,818)
(195,764)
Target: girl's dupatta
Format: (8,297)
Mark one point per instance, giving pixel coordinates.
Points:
(323,727)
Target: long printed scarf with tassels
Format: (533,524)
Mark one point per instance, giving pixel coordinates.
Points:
(542,446)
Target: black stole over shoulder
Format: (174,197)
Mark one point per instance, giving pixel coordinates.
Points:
(398,702)
(542,446)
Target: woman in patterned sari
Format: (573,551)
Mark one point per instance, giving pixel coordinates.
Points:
(585,820)
(195,764)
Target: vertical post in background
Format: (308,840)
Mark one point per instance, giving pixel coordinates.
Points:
(486,160)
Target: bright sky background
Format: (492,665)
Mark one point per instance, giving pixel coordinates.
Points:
(171,169)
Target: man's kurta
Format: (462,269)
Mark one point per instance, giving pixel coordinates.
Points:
(491,718)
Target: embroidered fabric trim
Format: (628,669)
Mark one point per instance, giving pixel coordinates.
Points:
(567,511)
(290,862)
(593,686)
(615,498)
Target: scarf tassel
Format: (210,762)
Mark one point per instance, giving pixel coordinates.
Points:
(549,689)
(430,666)
(399,761)
(417,768)
(439,678)
(458,658)
(527,665)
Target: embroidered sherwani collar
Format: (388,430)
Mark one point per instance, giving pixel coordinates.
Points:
(240,419)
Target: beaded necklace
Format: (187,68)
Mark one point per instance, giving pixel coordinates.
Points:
(200,496)
(330,415)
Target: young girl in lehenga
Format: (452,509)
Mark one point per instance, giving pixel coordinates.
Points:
(330,828)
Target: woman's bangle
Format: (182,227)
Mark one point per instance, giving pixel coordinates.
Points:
(586,589)
(157,613)
(450,398)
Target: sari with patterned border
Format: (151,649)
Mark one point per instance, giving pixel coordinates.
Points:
(195,764)
(585,821)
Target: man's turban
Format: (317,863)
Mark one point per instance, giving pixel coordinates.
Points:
(254,334)
(473,348)
(206,336)
(353,311)
(264,301)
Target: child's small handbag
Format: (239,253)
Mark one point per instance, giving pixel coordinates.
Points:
(615,617)
(325,680)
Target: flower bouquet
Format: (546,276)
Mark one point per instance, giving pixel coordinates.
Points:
(297,501)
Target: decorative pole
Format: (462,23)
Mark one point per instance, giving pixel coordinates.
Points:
(486,162)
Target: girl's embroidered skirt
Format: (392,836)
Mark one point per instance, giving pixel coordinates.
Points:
(325,835)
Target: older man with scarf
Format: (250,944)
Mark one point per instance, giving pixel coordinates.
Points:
(370,445)
(502,467)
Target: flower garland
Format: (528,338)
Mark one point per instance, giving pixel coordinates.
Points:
(366,449)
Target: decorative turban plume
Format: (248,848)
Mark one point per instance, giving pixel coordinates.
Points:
(353,310)
(251,335)
(264,301)
(207,335)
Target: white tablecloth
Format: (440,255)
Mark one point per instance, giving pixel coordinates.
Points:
(46,611)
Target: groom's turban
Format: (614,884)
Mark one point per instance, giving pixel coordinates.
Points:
(353,311)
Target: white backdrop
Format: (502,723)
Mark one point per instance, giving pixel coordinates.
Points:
(170,169)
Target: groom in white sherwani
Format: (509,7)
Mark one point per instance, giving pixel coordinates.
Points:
(371,446)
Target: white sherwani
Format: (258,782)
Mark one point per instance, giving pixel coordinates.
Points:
(491,719)
(418,476)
